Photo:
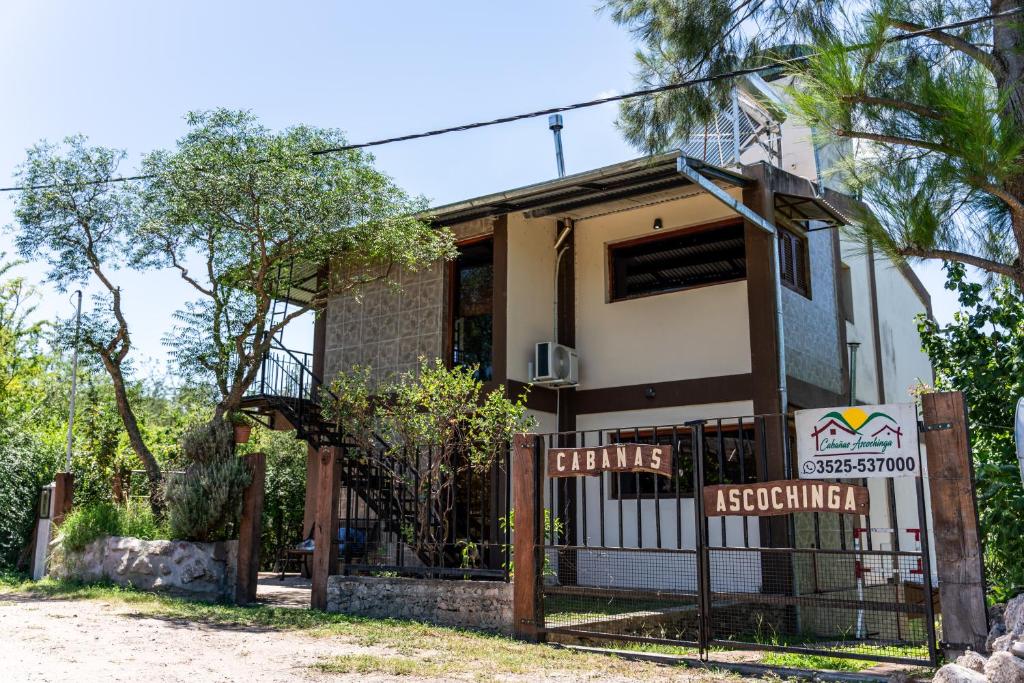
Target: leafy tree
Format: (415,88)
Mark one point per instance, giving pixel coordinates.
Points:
(981,353)
(938,119)
(443,410)
(83,227)
(261,211)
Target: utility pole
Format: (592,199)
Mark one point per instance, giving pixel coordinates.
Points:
(74,381)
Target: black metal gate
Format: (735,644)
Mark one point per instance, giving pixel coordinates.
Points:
(633,556)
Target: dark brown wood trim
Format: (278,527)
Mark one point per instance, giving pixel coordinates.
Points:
(876,330)
(837,272)
(764,354)
(541,399)
(499,302)
(721,389)
(320,329)
(803,394)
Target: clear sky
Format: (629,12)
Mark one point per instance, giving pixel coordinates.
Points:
(124,73)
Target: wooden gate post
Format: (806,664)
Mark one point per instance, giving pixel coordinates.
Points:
(525,540)
(64,494)
(958,554)
(248,568)
(325,525)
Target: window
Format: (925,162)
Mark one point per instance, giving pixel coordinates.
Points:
(846,291)
(472,297)
(688,258)
(793,261)
(736,465)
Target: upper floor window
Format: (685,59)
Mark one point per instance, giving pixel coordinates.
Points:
(793,261)
(678,260)
(472,302)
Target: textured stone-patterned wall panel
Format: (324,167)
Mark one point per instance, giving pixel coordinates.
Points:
(812,332)
(388,325)
(483,605)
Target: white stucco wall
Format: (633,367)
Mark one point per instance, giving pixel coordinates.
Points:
(699,332)
(531,278)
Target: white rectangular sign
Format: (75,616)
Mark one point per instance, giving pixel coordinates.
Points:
(859,441)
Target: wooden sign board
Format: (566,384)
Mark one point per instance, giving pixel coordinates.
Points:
(618,457)
(784,497)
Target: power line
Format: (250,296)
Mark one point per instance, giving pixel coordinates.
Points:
(644,92)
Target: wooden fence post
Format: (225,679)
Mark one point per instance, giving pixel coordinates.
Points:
(64,494)
(325,525)
(248,569)
(958,554)
(525,541)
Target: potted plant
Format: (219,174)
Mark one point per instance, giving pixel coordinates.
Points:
(243,428)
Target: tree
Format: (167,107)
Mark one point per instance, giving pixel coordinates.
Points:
(261,211)
(981,353)
(938,119)
(82,225)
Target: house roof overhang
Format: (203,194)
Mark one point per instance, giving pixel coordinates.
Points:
(648,177)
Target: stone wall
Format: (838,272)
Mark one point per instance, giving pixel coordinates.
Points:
(468,604)
(202,570)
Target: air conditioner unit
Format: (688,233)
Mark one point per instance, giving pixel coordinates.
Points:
(554,365)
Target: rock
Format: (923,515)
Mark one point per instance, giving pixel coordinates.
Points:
(954,673)
(1002,643)
(1017,649)
(972,660)
(1014,616)
(998,631)
(192,571)
(1003,667)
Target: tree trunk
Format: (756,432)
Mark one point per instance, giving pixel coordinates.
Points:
(131,425)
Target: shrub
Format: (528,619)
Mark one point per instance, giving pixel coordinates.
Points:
(26,464)
(85,524)
(138,521)
(205,502)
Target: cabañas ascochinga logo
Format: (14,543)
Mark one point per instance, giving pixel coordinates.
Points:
(857,441)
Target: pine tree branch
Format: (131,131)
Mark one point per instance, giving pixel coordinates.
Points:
(982,263)
(986,59)
(895,140)
(902,105)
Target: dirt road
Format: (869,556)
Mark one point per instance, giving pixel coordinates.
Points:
(56,639)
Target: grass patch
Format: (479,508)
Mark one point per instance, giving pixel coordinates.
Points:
(378,664)
(818,662)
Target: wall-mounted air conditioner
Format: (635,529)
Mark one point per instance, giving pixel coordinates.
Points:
(554,365)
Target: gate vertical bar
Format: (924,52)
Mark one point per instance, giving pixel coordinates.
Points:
(701,538)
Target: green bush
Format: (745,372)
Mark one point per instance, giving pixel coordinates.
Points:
(85,524)
(205,502)
(138,521)
(26,464)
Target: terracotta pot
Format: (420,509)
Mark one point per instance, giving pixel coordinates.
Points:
(242,433)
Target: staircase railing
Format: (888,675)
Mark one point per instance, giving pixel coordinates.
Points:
(388,503)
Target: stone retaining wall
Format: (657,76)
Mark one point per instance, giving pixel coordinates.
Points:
(469,604)
(201,570)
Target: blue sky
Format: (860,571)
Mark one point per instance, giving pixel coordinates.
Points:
(124,73)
